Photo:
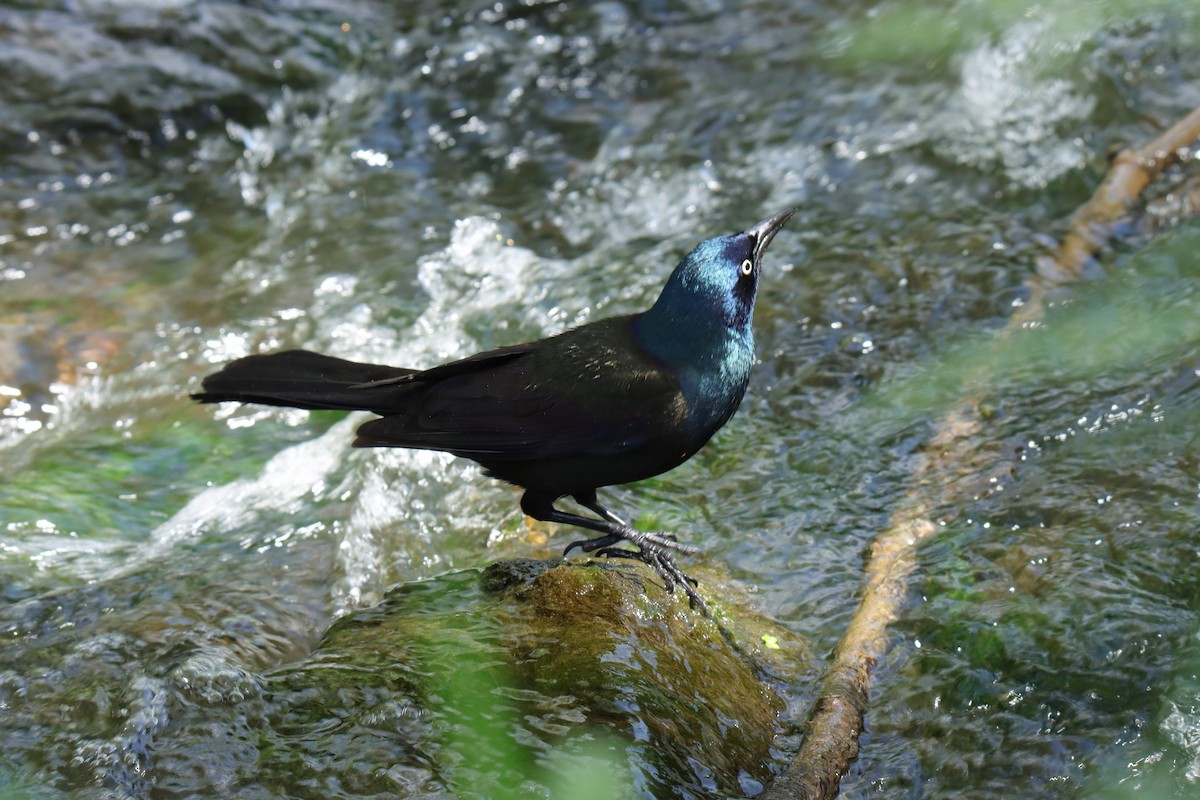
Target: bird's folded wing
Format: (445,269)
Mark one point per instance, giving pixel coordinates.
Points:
(509,408)
(486,360)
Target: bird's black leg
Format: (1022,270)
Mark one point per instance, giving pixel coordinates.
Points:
(653,548)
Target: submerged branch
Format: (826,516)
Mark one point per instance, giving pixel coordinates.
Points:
(1130,172)
(956,466)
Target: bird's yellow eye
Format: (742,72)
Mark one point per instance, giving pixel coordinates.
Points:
(747,267)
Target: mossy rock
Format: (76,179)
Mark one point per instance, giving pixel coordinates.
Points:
(504,672)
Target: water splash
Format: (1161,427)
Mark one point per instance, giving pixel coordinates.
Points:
(292,475)
(1005,111)
(1182,727)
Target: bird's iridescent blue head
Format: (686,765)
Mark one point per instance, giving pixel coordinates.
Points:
(718,280)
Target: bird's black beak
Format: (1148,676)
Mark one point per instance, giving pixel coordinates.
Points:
(765,231)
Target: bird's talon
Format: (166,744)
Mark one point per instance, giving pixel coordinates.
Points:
(660,560)
(663,540)
(686,549)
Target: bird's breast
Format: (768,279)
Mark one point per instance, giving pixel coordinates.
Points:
(715,388)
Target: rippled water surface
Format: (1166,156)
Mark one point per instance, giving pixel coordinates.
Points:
(184,183)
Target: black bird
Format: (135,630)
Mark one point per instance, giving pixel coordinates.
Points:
(613,401)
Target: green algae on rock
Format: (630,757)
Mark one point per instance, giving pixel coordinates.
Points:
(506,682)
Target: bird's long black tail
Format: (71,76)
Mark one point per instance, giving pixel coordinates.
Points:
(298,379)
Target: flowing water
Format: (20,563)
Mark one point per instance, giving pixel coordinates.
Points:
(183,183)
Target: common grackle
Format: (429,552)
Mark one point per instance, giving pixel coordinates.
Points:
(613,401)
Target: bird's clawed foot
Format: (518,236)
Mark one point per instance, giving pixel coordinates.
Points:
(663,540)
(654,549)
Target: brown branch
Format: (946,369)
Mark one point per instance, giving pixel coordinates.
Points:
(1130,172)
(955,468)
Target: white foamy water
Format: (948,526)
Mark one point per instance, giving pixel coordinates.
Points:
(1008,107)
(479,275)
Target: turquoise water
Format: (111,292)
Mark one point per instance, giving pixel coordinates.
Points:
(410,185)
